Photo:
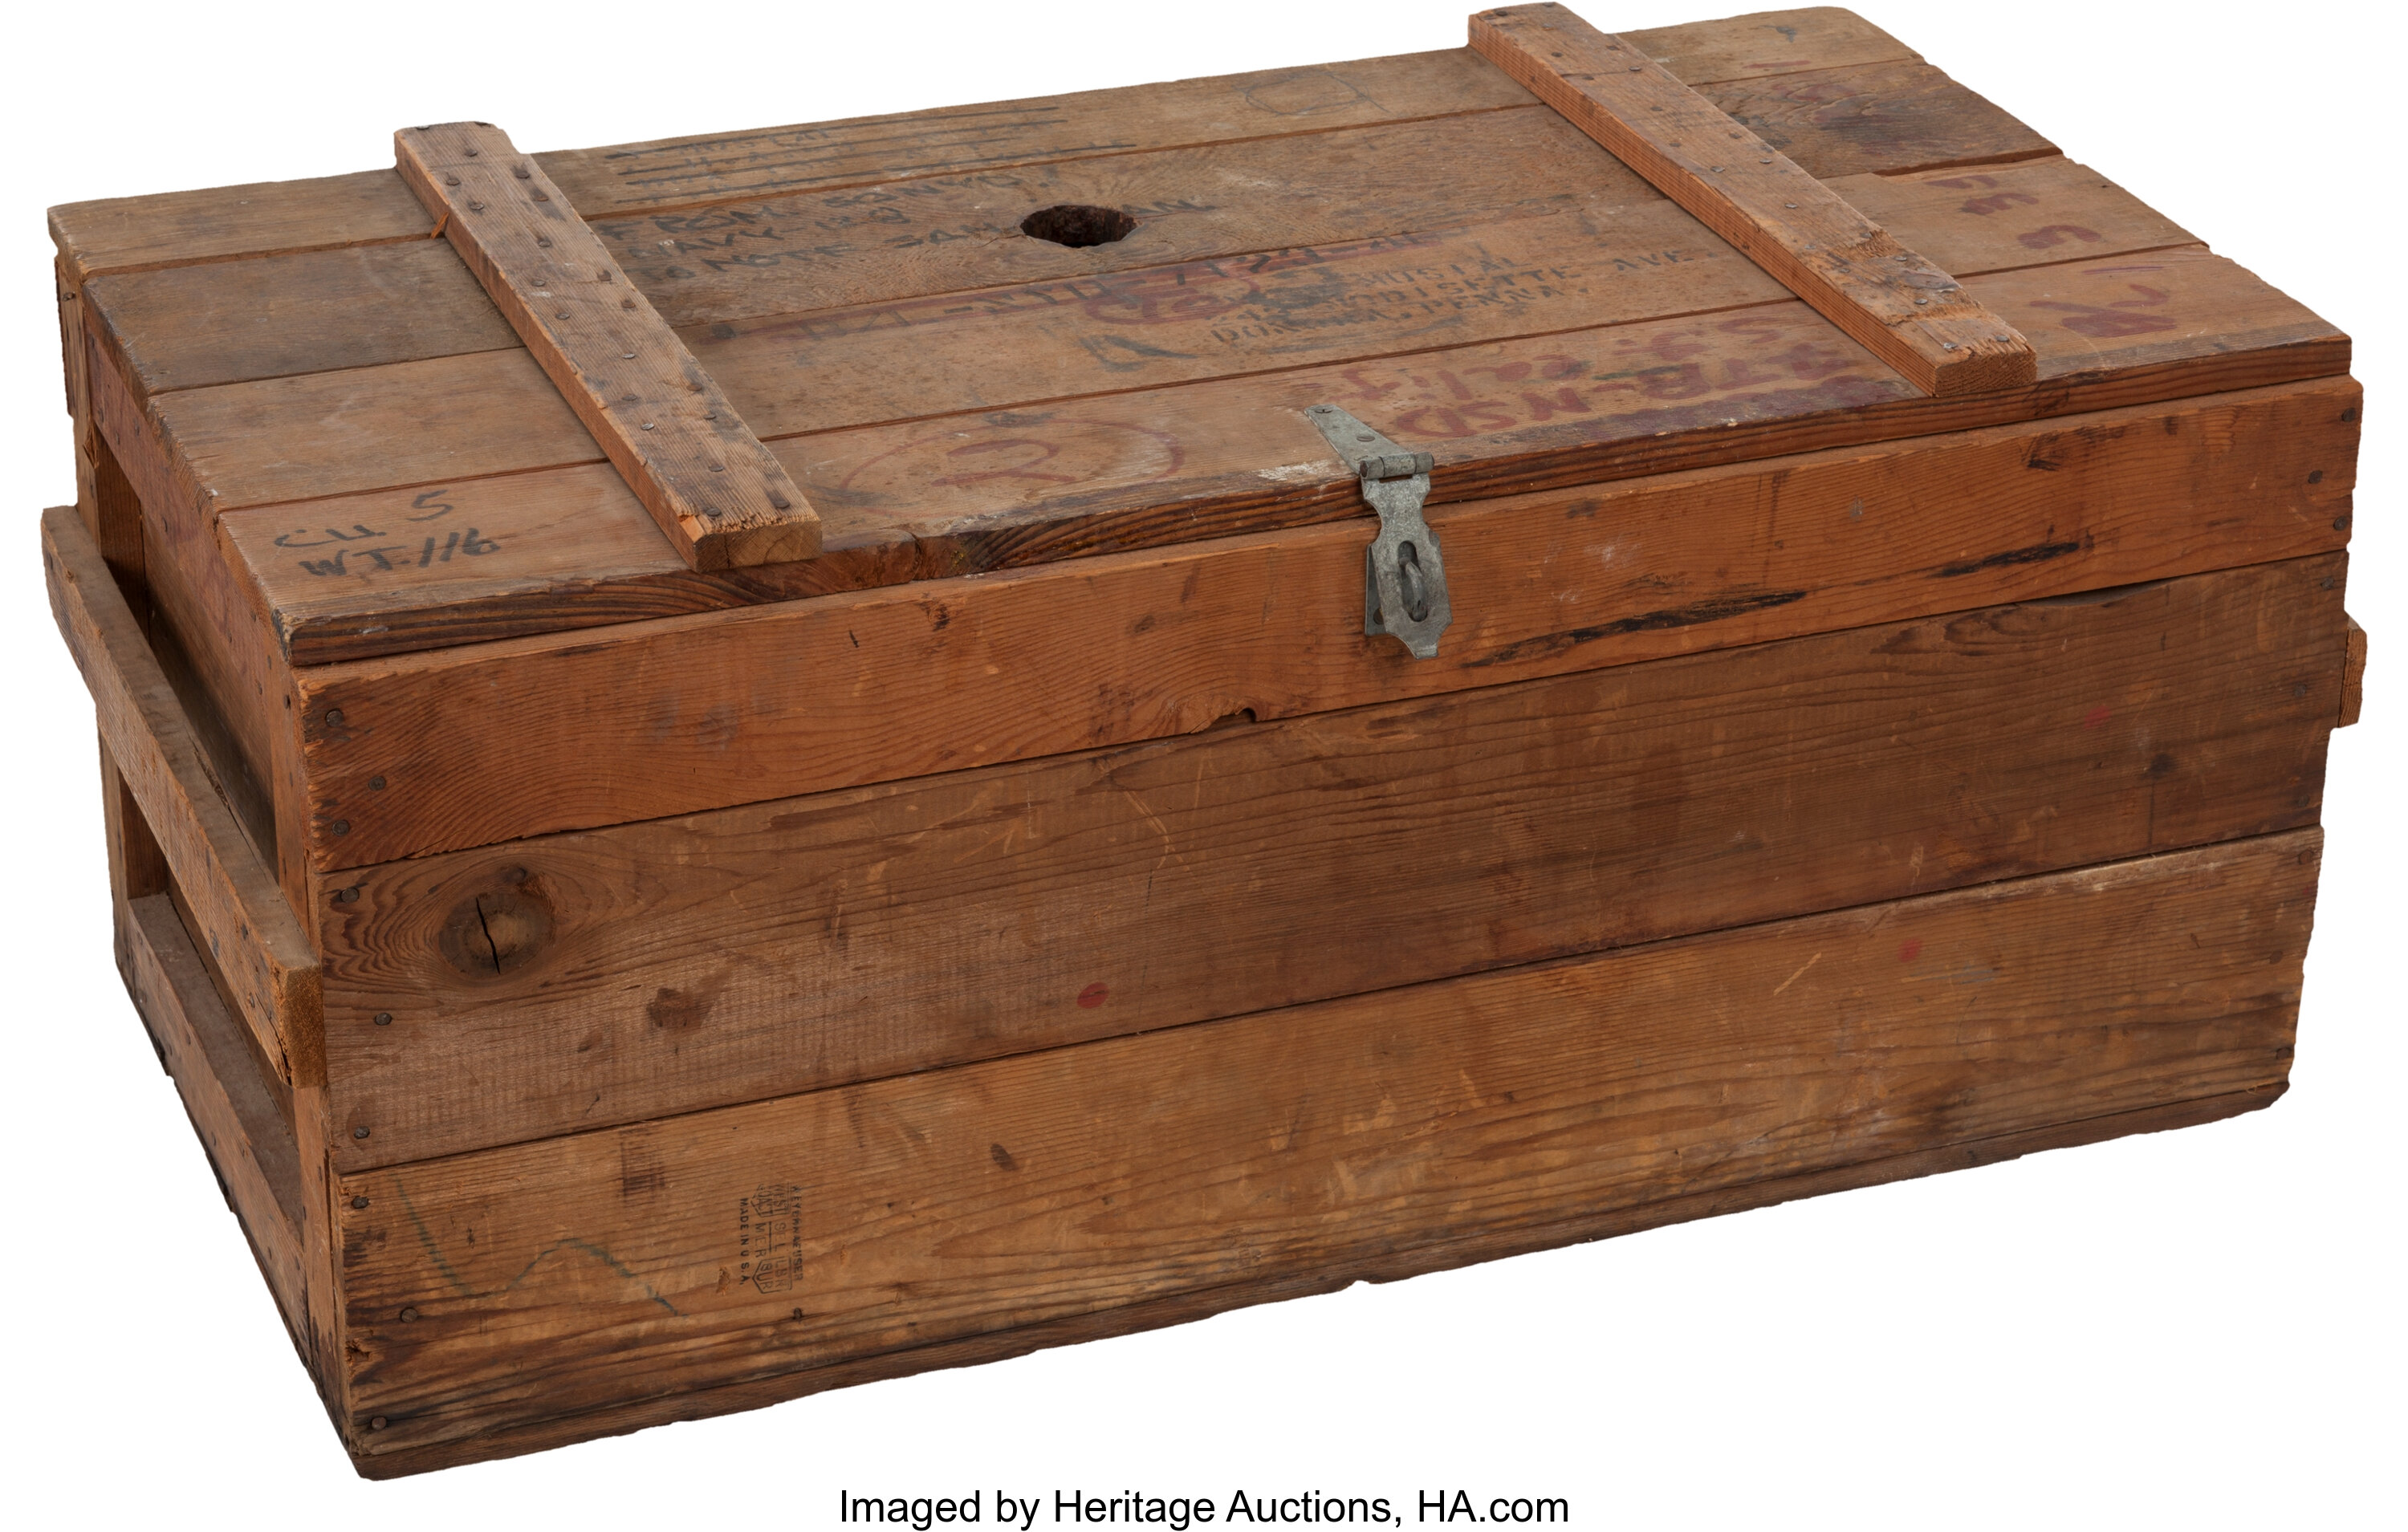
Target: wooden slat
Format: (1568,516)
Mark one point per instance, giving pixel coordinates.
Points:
(693,713)
(1914,316)
(249,1140)
(635,1414)
(653,969)
(1972,221)
(1376,1135)
(2353,676)
(1888,119)
(1770,42)
(723,499)
(267,960)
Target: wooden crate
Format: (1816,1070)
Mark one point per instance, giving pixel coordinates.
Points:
(639,944)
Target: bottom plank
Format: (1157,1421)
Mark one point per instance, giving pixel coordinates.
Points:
(519,1298)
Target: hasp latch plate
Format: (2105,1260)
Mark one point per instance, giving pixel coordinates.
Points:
(1404,575)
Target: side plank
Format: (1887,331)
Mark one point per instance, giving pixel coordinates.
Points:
(544,986)
(1369,1137)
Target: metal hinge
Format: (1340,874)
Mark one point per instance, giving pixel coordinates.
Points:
(1404,577)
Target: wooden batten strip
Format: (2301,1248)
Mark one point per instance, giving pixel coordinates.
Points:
(242,1127)
(238,908)
(1907,311)
(723,499)
(2353,675)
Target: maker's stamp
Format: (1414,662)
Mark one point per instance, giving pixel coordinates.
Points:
(769,1237)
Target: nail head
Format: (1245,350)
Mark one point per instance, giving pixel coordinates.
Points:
(340,826)
(359,1202)
(359,1132)
(384,1018)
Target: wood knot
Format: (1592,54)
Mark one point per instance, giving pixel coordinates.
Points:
(500,928)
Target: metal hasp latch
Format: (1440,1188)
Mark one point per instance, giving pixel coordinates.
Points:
(1404,577)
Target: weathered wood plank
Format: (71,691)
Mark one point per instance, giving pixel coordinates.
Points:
(723,499)
(1877,119)
(1365,1136)
(695,712)
(2353,676)
(234,1111)
(1908,312)
(267,961)
(229,223)
(1770,42)
(2002,217)
(539,987)
(1005,134)
(312,311)
(1153,1313)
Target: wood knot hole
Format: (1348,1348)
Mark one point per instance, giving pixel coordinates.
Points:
(1078,225)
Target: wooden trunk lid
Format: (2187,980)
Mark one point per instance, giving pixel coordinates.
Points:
(1417,240)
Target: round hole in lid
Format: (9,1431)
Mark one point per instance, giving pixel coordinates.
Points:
(1078,225)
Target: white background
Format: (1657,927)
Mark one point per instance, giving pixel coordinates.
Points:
(2201,1328)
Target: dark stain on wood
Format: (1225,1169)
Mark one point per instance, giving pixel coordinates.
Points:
(2036,553)
(1715,610)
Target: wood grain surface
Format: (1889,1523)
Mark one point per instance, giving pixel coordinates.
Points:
(233,1103)
(1051,479)
(1914,316)
(720,497)
(1998,218)
(2352,677)
(688,713)
(1359,1136)
(215,643)
(1772,42)
(647,970)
